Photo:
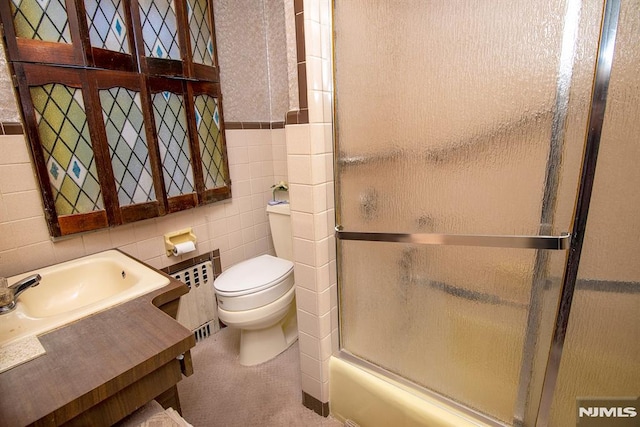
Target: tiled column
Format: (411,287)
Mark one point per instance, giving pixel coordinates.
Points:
(310,170)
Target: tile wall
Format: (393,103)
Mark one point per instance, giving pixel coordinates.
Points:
(238,227)
(301,154)
(310,166)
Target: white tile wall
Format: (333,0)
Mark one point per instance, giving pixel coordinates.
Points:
(237,227)
(301,154)
(310,151)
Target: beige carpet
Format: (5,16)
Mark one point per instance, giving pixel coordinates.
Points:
(223,393)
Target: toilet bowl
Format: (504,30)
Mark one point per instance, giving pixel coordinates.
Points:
(257,296)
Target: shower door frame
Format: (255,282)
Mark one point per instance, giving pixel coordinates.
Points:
(527,412)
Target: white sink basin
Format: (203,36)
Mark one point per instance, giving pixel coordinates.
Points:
(75,289)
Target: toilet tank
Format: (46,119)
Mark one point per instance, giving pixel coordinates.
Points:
(280,223)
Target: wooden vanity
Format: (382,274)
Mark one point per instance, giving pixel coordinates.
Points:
(99,369)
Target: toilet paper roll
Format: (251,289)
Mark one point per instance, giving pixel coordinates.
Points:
(184,248)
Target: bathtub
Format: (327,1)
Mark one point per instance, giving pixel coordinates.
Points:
(364,395)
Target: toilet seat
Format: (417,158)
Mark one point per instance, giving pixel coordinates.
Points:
(254,283)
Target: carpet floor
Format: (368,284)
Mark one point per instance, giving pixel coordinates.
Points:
(223,393)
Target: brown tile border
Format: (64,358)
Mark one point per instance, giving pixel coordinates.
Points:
(320,408)
(300,116)
(253,125)
(11,128)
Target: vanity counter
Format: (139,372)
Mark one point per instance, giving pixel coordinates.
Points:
(101,368)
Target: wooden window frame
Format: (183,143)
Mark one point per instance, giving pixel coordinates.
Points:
(91,69)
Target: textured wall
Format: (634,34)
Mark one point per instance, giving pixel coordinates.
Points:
(277,58)
(252,51)
(242,54)
(8,107)
(292,54)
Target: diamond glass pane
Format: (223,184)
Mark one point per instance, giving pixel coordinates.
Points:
(171,127)
(210,139)
(159,28)
(201,42)
(124,124)
(41,20)
(66,143)
(107,28)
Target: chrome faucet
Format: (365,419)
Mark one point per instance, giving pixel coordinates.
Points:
(9,294)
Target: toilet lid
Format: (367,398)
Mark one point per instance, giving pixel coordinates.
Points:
(253,275)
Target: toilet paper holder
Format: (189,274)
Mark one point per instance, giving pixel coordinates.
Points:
(177,237)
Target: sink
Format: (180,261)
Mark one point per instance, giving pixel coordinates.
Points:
(75,289)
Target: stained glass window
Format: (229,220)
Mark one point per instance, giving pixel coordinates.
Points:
(171,126)
(107,27)
(159,28)
(64,135)
(41,20)
(124,125)
(210,140)
(114,135)
(200,31)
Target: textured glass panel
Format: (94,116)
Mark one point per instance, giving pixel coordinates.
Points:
(130,161)
(451,319)
(41,20)
(107,27)
(457,137)
(464,127)
(159,28)
(602,346)
(68,154)
(200,30)
(171,127)
(210,138)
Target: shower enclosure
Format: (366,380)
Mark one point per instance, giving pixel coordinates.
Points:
(482,256)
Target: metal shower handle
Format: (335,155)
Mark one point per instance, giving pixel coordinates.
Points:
(495,241)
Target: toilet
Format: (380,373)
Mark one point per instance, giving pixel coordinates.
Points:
(257,296)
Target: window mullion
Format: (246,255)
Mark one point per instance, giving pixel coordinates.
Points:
(154,148)
(101,150)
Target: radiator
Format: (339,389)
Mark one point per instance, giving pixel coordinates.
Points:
(198,310)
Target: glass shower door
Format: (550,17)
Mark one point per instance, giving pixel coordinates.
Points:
(459,129)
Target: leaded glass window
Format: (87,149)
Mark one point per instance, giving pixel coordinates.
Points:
(121,128)
(210,140)
(159,28)
(124,125)
(107,27)
(171,126)
(41,20)
(200,31)
(64,135)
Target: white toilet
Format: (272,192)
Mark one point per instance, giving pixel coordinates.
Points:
(257,296)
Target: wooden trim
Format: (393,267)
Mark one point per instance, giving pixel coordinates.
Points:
(184,38)
(194,141)
(78,223)
(140,211)
(11,128)
(100,145)
(77,18)
(117,61)
(154,147)
(33,136)
(182,202)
